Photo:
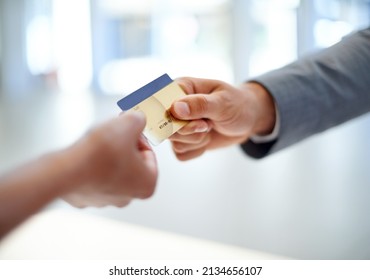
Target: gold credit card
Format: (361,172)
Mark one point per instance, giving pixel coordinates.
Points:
(155,100)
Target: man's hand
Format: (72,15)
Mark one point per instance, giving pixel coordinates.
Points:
(220,115)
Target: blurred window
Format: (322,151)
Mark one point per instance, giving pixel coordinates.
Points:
(135,41)
(337,18)
(116,46)
(274,35)
(285,29)
(58,43)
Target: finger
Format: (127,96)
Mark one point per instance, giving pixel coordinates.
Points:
(190,155)
(147,188)
(198,106)
(196,85)
(148,155)
(196,126)
(182,146)
(151,164)
(118,201)
(97,201)
(189,138)
(132,124)
(143,144)
(122,203)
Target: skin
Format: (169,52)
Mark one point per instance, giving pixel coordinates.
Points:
(220,115)
(111,165)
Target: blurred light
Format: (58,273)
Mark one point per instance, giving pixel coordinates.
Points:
(39,46)
(180,33)
(145,7)
(118,7)
(276,36)
(72,31)
(126,75)
(179,41)
(196,6)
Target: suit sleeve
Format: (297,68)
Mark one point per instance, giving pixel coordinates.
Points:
(318,92)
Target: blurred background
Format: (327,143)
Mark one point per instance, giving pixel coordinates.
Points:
(64,64)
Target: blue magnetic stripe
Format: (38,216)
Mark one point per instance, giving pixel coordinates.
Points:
(144,92)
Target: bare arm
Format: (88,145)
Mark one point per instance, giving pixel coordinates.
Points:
(110,165)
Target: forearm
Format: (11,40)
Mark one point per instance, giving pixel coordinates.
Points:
(29,188)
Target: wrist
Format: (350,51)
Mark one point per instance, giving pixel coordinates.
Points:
(73,160)
(265,117)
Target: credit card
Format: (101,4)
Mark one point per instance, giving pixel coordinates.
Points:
(155,100)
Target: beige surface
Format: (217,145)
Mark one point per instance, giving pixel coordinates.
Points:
(58,234)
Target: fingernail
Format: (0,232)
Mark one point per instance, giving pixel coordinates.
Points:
(137,115)
(202,128)
(182,109)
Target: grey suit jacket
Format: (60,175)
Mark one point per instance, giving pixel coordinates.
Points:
(318,92)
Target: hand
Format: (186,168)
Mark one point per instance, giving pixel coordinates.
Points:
(114,164)
(110,165)
(220,115)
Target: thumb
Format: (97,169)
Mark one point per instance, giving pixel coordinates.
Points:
(197,106)
(132,124)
